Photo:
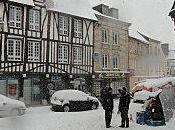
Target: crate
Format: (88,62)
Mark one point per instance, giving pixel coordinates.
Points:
(155,123)
(140,118)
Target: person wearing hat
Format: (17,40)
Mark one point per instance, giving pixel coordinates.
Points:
(124,102)
(108,105)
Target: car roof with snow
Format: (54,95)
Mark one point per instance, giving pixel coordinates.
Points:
(70,95)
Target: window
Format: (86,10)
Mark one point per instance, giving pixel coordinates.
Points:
(115,37)
(33,51)
(104,36)
(115,62)
(14,49)
(77,28)
(63,54)
(105,61)
(63,25)
(77,55)
(15,16)
(34,20)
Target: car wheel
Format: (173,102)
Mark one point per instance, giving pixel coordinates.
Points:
(94,106)
(66,108)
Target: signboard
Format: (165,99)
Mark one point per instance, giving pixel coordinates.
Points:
(12,89)
(111,75)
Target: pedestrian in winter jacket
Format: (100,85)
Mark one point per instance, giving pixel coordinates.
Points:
(107,103)
(124,102)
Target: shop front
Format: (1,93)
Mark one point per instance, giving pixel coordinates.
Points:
(114,79)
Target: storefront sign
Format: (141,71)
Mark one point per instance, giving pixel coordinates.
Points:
(12,89)
(111,75)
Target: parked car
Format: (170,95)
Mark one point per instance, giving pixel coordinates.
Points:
(11,107)
(73,100)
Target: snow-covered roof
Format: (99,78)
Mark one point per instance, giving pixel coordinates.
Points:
(144,95)
(80,8)
(100,14)
(157,82)
(25,2)
(133,33)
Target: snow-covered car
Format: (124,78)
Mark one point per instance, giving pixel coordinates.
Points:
(73,100)
(11,107)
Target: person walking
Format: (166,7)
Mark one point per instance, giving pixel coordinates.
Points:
(124,102)
(108,105)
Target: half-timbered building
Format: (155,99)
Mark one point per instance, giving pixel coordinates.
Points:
(45,44)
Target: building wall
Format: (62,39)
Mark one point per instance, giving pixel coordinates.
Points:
(121,49)
(146,59)
(114,77)
(28,75)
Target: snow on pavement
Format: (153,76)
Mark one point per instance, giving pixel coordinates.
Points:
(42,118)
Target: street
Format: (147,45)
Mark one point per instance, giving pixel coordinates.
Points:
(42,118)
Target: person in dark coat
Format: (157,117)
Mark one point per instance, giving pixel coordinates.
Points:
(107,103)
(124,102)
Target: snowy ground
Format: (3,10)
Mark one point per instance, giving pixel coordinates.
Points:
(42,118)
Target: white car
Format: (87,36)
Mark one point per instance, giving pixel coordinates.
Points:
(11,107)
(73,100)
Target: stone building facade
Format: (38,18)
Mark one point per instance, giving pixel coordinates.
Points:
(110,50)
(146,59)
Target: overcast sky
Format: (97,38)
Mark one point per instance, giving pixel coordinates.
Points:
(147,16)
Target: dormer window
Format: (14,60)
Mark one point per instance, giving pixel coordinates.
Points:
(15,16)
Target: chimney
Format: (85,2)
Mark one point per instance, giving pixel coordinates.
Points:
(113,12)
(104,9)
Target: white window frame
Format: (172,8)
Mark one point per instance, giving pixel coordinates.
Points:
(63,54)
(115,38)
(63,25)
(34,19)
(78,27)
(115,62)
(77,55)
(104,36)
(15,16)
(34,51)
(14,49)
(105,58)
